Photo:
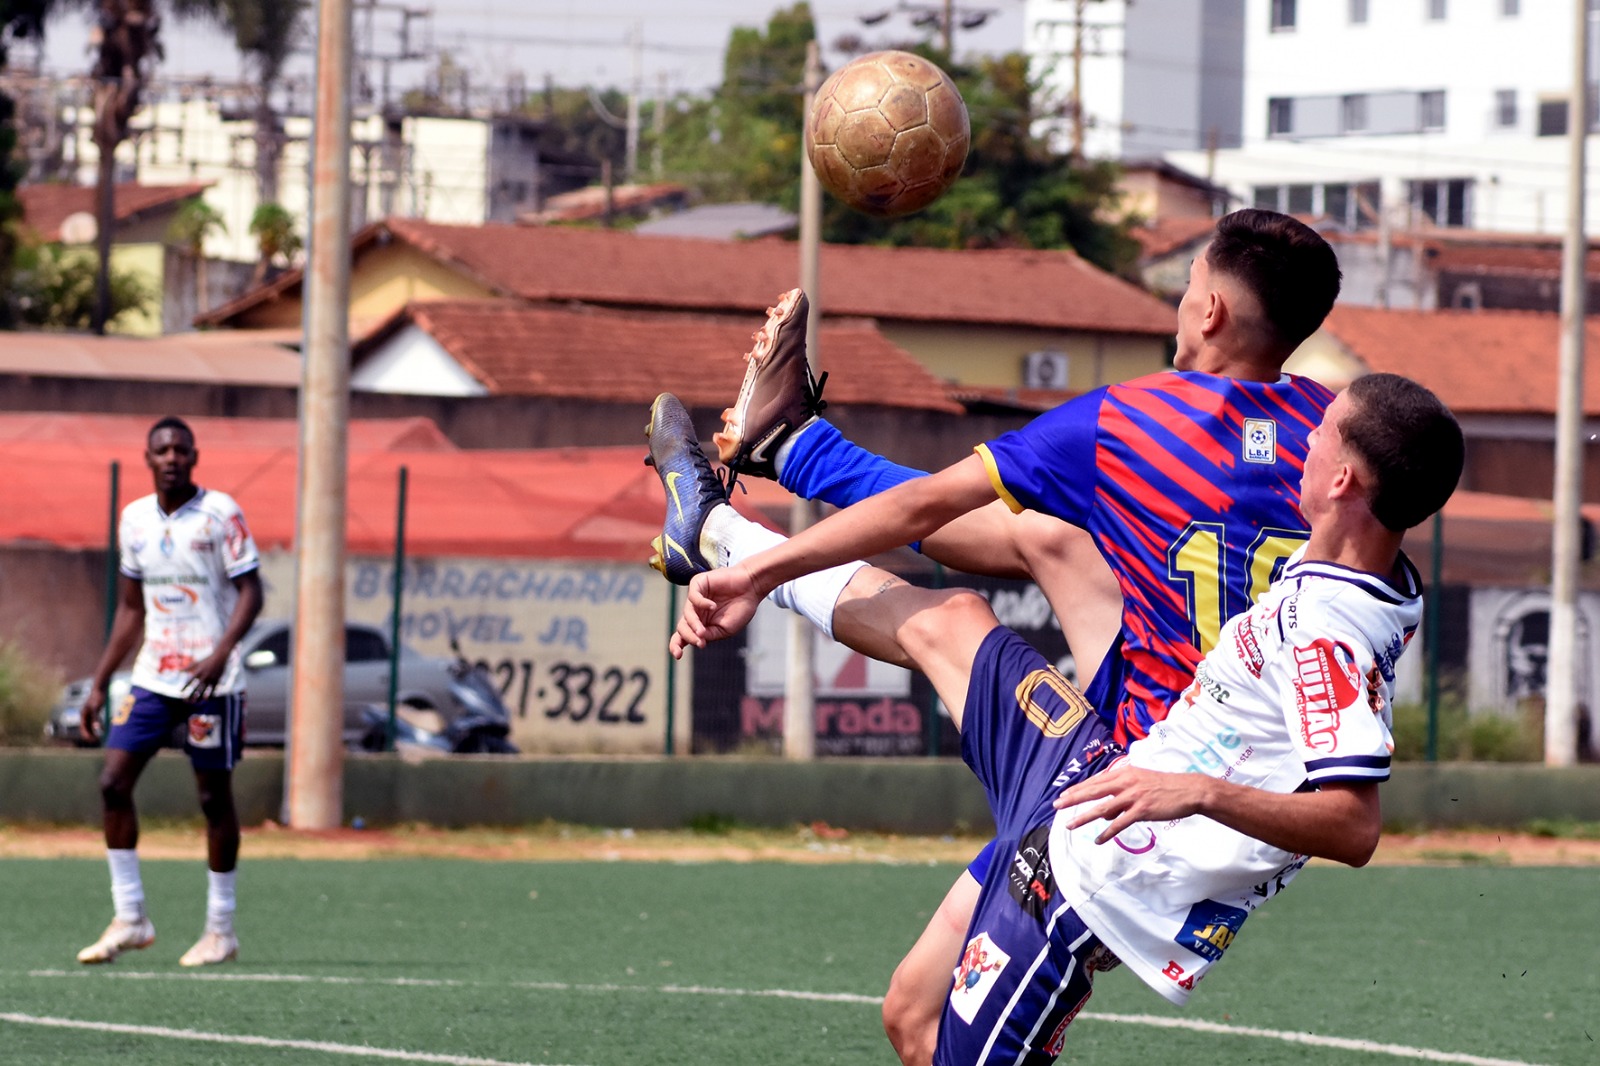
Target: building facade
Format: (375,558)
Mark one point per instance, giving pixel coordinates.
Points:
(1409,113)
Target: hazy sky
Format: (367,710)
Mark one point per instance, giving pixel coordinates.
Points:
(574,42)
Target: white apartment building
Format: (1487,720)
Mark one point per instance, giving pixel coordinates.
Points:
(1421,112)
(450,169)
(1417,112)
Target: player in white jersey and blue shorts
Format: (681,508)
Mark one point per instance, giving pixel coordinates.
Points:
(1156,855)
(187,593)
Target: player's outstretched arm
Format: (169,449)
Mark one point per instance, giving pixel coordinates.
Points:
(908,512)
(1341,821)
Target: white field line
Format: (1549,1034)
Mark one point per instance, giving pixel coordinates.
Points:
(1400,1051)
(1374,1047)
(253,1041)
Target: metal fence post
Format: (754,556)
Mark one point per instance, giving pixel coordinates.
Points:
(672,667)
(1433,637)
(396,597)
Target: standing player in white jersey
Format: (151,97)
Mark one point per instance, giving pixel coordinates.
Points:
(1155,856)
(189,587)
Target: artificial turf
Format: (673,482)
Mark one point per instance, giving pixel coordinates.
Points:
(621,962)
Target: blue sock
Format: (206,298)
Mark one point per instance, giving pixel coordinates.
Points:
(824,465)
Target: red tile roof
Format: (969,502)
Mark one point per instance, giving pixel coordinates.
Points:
(517,349)
(1500,362)
(1007,287)
(590,201)
(569,503)
(1166,235)
(1481,251)
(45,207)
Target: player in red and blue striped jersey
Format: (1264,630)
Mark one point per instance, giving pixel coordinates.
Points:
(1189,484)
(1148,512)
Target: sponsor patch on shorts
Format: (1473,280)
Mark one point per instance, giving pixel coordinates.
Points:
(1210,928)
(205,731)
(981,965)
(1031,884)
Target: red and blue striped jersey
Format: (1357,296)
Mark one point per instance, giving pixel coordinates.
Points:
(1190,485)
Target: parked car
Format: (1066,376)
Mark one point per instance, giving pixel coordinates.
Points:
(432,690)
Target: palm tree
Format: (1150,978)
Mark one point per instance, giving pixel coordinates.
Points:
(128,39)
(191,225)
(266,33)
(273,228)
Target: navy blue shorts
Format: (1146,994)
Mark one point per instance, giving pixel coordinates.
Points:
(1028,963)
(213,729)
(1104,694)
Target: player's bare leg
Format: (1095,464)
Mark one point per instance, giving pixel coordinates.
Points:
(922,982)
(130,929)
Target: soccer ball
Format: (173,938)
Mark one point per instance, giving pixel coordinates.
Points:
(888,133)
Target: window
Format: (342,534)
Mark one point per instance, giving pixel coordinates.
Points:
(364,646)
(1354,113)
(1336,202)
(1436,10)
(1358,12)
(1280,116)
(1446,202)
(1352,205)
(1505,108)
(1552,118)
(1430,110)
(1510,8)
(1282,15)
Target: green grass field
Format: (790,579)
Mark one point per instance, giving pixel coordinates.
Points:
(619,963)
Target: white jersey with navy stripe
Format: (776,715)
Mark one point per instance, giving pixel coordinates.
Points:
(186,561)
(1296,694)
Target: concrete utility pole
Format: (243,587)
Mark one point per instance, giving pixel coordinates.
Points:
(1561,695)
(315,764)
(635,90)
(799,691)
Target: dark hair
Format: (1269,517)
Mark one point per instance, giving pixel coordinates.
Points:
(1411,444)
(1285,263)
(170,422)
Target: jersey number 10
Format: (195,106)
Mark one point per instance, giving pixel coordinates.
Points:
(1220,581)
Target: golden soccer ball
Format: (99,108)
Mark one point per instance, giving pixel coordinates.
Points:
(888,133)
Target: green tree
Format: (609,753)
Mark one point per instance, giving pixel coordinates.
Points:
(1016,191)
(57,288)
(277,239)
(744,142)
(18,19)
(191,225)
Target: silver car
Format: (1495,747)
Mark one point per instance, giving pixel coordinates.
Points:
(424,687)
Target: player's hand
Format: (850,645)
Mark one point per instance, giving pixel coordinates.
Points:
(720,603)
(94,705)
(204,677)
(1126,794)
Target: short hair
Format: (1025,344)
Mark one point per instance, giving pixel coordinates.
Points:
(1285,263)
(169,422)
(1411,444)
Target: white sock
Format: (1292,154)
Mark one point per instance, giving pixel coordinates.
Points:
(219,901)
(782,455)
(728,538)
(127,889)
